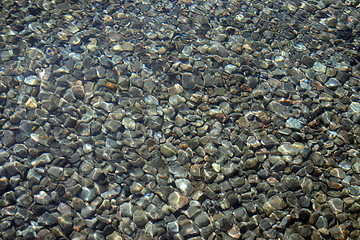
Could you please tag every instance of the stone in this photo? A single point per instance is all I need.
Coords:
(273, 204)
(168, 150)
(48, 219)
(185, 186)
(8, 138)
(42, 198)
(338, 232)
(336, 205)
(234, 232)
(177, 200)
(188, 80)
(251, 164)
(139, 218)
(66, 224)
(293, 124)
(173, 227)
(288, 149)
(88, 211)
(128, 123)
(307, 61)
(322, 222)
(218, 49)
(202, 220)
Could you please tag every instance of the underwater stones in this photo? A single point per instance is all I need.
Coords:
(123, 121)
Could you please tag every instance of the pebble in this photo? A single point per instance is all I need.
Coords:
(336, 205)
(168, 150)
(288, 149)
(273, 204)
(177, 201)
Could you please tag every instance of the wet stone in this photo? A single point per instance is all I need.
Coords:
(87, 194)
(269, 140)
(322, 222)
(25, 200)
(338, 173)
(128, 123)
(202, 220)
(8, 138)
(173, 227)
(188, 228)
(218, 49)
(307, 61)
